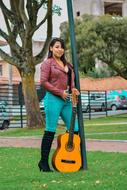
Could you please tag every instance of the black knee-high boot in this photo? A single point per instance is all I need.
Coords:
(45, 150)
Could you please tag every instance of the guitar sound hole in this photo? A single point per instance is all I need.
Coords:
(68, 161)
(69, 148)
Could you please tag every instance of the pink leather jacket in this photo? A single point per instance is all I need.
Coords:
(53, 77)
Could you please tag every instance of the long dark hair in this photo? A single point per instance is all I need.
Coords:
(52, 43)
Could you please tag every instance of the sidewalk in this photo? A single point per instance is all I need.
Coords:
(91, 145)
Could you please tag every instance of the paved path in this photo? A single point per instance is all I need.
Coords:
(91, 145)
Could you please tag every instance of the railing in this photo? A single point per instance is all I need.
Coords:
(12, 108)
(94, 103)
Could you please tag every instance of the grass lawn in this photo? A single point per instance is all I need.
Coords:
(19, 171)
(109, 119)
(17, 132)
(93, 129)
(107, 125)
(107, 136)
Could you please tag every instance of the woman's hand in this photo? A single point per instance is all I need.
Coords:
(75, 91)
(65, 95)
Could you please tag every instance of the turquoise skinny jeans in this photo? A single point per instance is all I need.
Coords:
(54, 107)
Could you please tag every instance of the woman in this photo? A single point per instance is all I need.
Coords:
(57, 78)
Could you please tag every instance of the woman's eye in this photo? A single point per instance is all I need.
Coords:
(57, 47)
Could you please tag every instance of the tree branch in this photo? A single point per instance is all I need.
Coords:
(13, 44)
(40, 5)
(4, 35)
(19, 26)
(7, 12)
(36, 28)
(27, 37)
(7, 23)
(29, 7)
(40, 56)
(32, 9)
(22, 12)
(7, 57)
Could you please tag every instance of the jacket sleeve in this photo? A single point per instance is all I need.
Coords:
(45, 76)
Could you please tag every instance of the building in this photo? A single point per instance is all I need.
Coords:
(8, 73)
(100, 7)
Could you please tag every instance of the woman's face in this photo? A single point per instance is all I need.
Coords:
(57, 50)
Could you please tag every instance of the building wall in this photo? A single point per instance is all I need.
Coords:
(96, 7)
(124, 8)
(92, 7)
(7, 75)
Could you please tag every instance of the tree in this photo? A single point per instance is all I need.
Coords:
(85, 58)
(103, 38)
(110, 42)
(21, 21)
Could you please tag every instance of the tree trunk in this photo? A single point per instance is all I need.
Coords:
(34, 116)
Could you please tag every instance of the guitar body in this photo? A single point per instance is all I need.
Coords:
(67, 159)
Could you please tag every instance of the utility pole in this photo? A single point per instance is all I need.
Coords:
(77, 83)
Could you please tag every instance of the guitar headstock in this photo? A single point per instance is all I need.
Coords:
(74, 99)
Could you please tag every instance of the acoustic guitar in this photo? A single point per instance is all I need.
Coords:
(67, 157)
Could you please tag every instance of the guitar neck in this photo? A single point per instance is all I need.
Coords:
(71, 131)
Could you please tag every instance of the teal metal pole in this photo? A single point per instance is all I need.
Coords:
(77, 83)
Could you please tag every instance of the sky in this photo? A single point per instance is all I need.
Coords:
(41, 33)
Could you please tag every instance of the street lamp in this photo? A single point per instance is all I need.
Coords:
(77, 83)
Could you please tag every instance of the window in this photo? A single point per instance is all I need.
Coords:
(78, 13)
(1, 72)
(113, 8)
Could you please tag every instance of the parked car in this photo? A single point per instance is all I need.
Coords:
(41, 104)
(98, 101)
(94, 101)
(4, 118)
(115, 102)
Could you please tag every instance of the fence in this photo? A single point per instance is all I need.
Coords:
(94, 104)
(12, 106)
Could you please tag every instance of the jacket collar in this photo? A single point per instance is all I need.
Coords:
(56, 65)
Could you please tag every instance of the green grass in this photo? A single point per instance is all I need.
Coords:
(107, 136)
(98, 125)
(19, 171)
(22, 132)
(109, 119)
(91, 127)
(105, 128)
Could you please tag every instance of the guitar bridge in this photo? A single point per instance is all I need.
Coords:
(68, 161)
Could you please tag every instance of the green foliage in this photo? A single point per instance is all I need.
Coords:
(55, 8)
(103, 38)
(102, 72)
